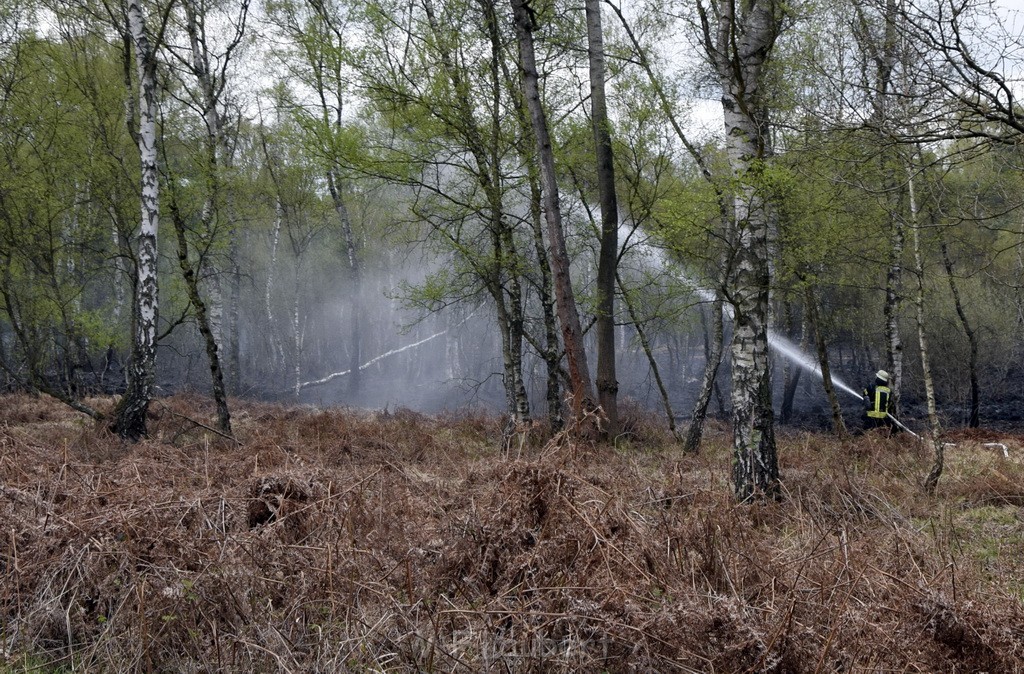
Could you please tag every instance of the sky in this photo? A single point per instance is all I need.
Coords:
(1017, 5)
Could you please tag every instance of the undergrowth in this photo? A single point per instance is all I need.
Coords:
(334, 540)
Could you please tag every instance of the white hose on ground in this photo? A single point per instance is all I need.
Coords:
(1000, 445)
(900, 424)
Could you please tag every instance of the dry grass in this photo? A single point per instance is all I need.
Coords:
(338, 540)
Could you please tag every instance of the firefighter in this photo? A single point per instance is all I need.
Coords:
(878, 403)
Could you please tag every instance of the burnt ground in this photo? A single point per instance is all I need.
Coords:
(332, 540)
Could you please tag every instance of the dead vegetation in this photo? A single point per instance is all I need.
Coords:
(332, 540)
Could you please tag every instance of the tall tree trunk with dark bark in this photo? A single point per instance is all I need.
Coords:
(202, 320)
(974, 416)
(712, 361)
(565, 299)
(607, 384)
(838, 426)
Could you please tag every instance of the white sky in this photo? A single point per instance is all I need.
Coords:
(1017, 5)
(706, 118)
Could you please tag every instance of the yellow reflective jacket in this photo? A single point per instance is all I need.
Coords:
(877, 400)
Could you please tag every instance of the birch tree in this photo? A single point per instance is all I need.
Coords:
(935, 431)
(878, 37)
(130, 413)
(550, 350)
(738, 40)
(441, 108)
(204, 77)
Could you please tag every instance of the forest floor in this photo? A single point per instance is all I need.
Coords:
(342, 540)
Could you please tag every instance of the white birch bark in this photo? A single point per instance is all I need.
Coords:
(893, 302)
(297, 329)
(1018, 297)
(212, 120)
(130, 417)
(121, 273)
(739, 39)
(929, 387)
(884, 56)
(276, 349)
(210, 72)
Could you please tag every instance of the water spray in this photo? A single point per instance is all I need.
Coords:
(794, 354)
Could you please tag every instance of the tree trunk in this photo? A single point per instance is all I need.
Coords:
(297, 327)
(355, 278)
(230, 345)
(893, 300)
(1018, 295)
(552, 348)
(276, 348)
(130, 413)
(933, 418)
(565, 299)
(501, 276)
(712, 361)
(838, 426)
(209, 215)
(973, 419)
(884, 56)
(739, 46)
(234, 373)
(646, 344)
(755, 468)
(607, 384)
(516, 330)
(506, 254)
(205, 328)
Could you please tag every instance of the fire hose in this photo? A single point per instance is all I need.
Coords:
(900, 424)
